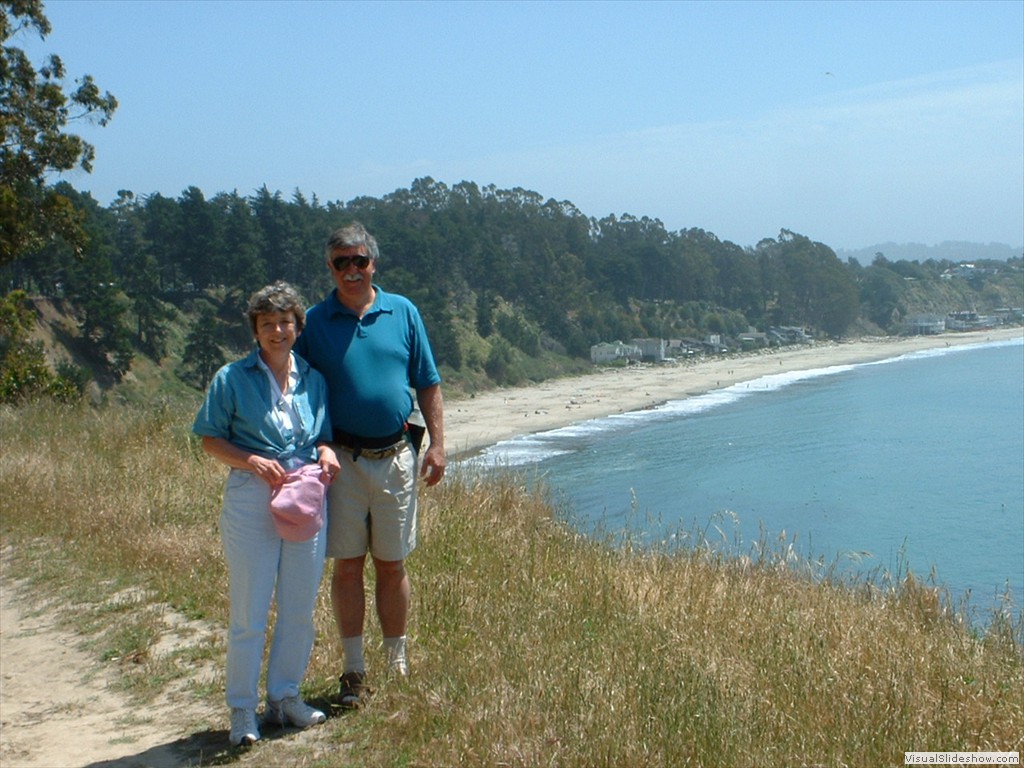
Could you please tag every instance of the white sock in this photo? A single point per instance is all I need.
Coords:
(395, 647)
(353, 650)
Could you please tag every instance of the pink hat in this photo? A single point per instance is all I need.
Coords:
(297, 504)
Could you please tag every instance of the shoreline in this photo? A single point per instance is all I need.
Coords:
(487, 418)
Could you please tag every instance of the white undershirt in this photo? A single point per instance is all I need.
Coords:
(283, 412)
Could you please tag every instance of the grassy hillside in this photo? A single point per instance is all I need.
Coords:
(530, 644)
(939, 297)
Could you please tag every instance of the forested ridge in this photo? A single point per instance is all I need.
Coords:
(512, 286)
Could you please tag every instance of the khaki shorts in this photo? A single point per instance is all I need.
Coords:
(371, 507)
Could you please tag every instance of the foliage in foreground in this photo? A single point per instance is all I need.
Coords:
(35, 115)
(531, 644)
(24, 371)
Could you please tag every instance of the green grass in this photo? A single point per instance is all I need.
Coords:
(530, 644)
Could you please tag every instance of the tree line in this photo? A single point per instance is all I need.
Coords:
(498, 274)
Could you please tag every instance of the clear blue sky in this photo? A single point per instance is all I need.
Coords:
(854, 123)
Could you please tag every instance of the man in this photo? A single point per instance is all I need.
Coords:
(372, 349)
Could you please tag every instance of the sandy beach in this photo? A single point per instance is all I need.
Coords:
(490, 417)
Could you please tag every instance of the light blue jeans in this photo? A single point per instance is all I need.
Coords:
(258, 561)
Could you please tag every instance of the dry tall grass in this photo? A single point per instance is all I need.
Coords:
(530, 644)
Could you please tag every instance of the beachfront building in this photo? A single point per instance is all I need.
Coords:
(968, 320)
(1009, 315)
(753, 339)
(788, 334)
(924, 325)
(652, 350)
(609, 352)
(713, 343)
(685, 348)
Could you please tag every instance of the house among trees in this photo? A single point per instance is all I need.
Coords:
(788, 334)
(1008, 315)
(685, 347)
(608, 352)
(651, 350)
(753, 338)
(713, 343)
(925, 325)
(968, 320)
(960, 270)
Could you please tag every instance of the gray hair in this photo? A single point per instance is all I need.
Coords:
(352, 236)
(278, 297)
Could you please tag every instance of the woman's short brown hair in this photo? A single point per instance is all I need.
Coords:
(277, 297)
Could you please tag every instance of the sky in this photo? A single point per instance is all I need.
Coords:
(853, 123)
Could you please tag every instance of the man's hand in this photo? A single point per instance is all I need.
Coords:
(433, 465)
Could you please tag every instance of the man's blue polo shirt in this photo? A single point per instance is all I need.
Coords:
(370, 362)
(239, 407)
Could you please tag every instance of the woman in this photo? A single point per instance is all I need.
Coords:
(265, 416)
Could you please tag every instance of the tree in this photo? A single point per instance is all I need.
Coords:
(140, 276)
(93, 286)
(484, 314)
(500, 362)
(881, 294)
(162, 230)
(24, 373)
(34, 112)
(23, 368)
(808, 283)
(200, 245)
(203, 356)
(102, 309)
(244, 266)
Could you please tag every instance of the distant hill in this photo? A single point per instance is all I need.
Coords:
(950, 251)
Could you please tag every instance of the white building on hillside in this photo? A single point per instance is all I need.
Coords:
(651, 349)
(606, 352)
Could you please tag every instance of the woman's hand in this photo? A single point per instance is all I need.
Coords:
(268, 469)
(239, 458)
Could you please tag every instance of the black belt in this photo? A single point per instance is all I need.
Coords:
(373, 447)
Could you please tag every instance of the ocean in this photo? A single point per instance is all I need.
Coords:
(912, 463)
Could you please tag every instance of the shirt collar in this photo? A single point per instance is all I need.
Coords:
(253, 360)
(381, 303)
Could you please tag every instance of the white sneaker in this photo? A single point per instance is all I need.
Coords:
(244, 731)
(293, 710)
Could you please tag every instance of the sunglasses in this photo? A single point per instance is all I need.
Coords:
(340, 263)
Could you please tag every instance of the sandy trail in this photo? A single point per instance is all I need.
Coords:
(59, 706)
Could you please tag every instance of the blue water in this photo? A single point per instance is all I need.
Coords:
(916, 463)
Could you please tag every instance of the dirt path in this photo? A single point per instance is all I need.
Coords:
(59, 709)
(60, 706)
